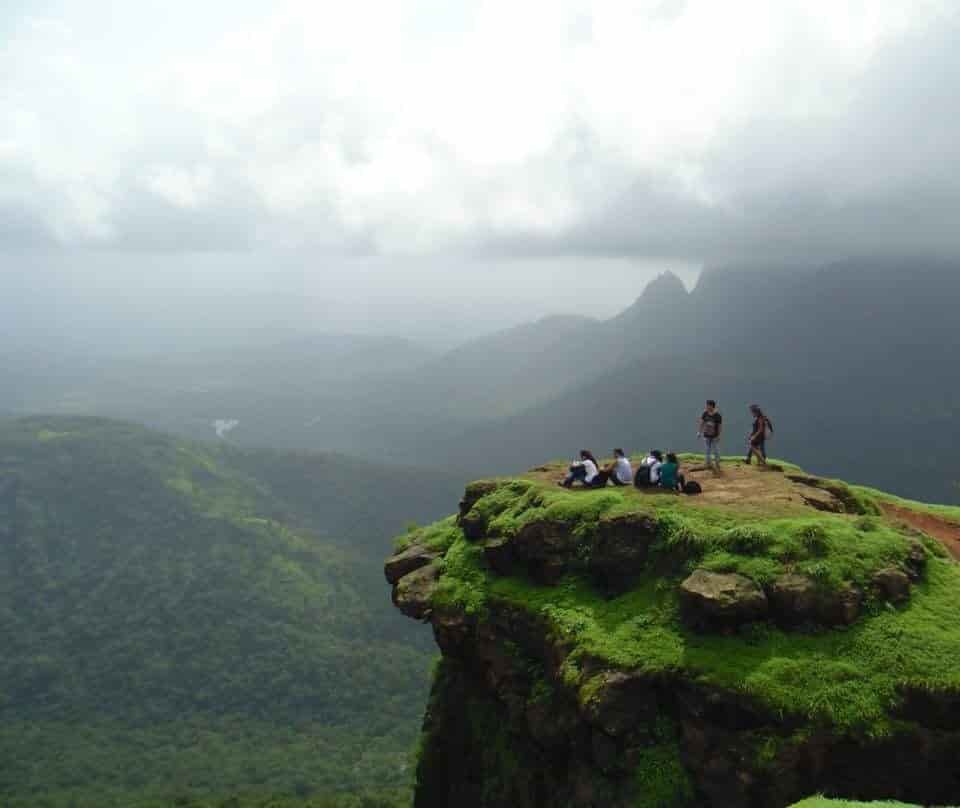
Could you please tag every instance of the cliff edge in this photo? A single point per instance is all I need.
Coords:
(778, 636)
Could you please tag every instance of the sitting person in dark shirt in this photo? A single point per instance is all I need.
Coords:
(648, 472)
(670, 476)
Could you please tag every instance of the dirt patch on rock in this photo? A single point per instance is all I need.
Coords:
(946, 532)
(746, 488)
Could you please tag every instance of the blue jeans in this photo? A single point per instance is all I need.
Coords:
(713, 448)
(580, 473)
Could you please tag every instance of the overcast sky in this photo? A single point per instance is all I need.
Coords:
(555, 154)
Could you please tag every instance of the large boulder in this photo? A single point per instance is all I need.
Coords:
(840, 607)
(406, 561)
(473, 526)
(497, 551)
(413, 592)
(621, 544)
(916, 561)
(544, 539)
(796, 599)
(714, 599)
(892, 584)
(793, 599)
(618, 702)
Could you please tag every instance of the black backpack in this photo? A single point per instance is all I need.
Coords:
(692, 487)
(642, 478)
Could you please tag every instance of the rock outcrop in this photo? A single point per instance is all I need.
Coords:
(712, 599)
(893, 584)
(596, 652)
(412, 594)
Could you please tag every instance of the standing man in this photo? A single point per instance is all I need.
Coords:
(711, 425)
(761, 429)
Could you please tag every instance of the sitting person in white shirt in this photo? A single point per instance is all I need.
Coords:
(648, 472)
(586, 470)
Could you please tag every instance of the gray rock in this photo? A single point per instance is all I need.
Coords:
(893, 584)
(406, 561)
(621, 544)
(916, 560)
(619, 702)
(413, 592)
(474, 492)
(793, 599)
(473, 525)
(498, 554)
(542, 540)
(797, 599)
(711, 598)
(840, 607)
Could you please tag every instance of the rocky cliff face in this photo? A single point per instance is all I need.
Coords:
(622, 648)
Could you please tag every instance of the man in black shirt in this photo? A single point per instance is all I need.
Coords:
(711, 425)
(762, 426)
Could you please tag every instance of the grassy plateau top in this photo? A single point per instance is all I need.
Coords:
(827, 604)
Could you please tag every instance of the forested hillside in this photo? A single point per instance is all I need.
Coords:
(191, 621)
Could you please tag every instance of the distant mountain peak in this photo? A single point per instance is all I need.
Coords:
(665, 288)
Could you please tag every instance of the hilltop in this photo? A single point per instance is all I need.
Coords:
(780, 634)
(191, 621)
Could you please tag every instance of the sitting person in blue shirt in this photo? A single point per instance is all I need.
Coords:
(619, 472)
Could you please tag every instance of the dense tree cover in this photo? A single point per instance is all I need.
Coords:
(178, 623)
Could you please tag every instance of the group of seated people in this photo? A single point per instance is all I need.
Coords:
(653, 471)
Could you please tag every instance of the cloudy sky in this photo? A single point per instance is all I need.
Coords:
(553, 152)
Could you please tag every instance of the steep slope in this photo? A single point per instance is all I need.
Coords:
(776, 636)
(178, 621)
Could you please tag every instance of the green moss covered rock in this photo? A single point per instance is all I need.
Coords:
(777, 635)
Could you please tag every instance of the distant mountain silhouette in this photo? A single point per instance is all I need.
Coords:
(855, 363)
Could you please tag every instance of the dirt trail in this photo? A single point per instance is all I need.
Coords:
(743, 487)
(948, 533)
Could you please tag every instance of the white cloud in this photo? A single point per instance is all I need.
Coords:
(179, 186)
(419, 126)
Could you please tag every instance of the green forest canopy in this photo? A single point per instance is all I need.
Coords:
(185, 621)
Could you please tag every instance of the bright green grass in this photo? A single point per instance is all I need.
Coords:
(823, 802)
(438, 536)
(834, 549)
(842, 678)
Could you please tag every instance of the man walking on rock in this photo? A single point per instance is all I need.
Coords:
(711, 425)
